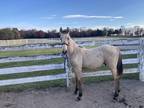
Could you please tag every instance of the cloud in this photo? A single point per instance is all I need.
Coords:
(134, 24)
(48, 17)
(91, 17)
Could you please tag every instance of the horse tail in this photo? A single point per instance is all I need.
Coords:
(119, 65)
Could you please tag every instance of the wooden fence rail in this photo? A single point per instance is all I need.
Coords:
(128, 47)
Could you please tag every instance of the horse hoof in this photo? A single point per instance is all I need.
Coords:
(78, 98)
(118, 91)
(115, 98)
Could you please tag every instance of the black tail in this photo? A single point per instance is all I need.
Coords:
(120, 65)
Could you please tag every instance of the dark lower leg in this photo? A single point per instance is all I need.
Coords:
(80, 90)
(76, 90)
(76, 87)
(116, 94)
(117, 89)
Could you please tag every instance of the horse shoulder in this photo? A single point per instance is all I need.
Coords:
(76, 58)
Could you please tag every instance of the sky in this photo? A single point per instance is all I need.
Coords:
(52, 14)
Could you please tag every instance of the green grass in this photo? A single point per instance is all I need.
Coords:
(134, 76)
(29, 63)
(33, 86)
(103, 67)
(29, 52)
(129, 56)
(31, 74)
(43, 51)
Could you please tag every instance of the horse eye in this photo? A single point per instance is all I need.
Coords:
(67, 38)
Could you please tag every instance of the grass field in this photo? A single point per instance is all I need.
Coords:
(29, 52)
(41, 85)
(29, 63)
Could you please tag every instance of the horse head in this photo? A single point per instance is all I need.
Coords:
(65, 39)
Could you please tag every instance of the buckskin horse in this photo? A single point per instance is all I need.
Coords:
(92, 58)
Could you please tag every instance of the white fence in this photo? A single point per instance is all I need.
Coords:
(128, 47)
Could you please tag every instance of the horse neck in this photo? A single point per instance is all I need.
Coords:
(72, 47)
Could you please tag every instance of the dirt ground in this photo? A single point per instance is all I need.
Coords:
(96, 95)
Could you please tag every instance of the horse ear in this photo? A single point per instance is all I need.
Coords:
(60, 30)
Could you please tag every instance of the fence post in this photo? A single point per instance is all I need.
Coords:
(141, 59)
(67, 69)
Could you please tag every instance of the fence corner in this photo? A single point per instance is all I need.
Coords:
(141, 59)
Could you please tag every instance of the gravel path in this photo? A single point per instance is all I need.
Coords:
(96, 95)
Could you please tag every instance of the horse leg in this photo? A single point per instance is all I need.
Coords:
(80, 89)
(116, 83)
(117, 88)
(78, 76)
(76, 86)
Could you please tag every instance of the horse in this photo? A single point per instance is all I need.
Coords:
(91, 58)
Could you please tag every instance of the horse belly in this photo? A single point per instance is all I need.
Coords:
(92, 62)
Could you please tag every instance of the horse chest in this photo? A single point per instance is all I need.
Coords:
(76, 60)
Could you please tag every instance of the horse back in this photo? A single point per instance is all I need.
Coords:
(105, 54)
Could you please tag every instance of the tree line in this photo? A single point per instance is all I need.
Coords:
(14, 33)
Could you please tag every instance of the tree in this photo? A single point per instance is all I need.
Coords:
(16, 33)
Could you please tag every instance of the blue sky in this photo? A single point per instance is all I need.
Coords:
(52, 14)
